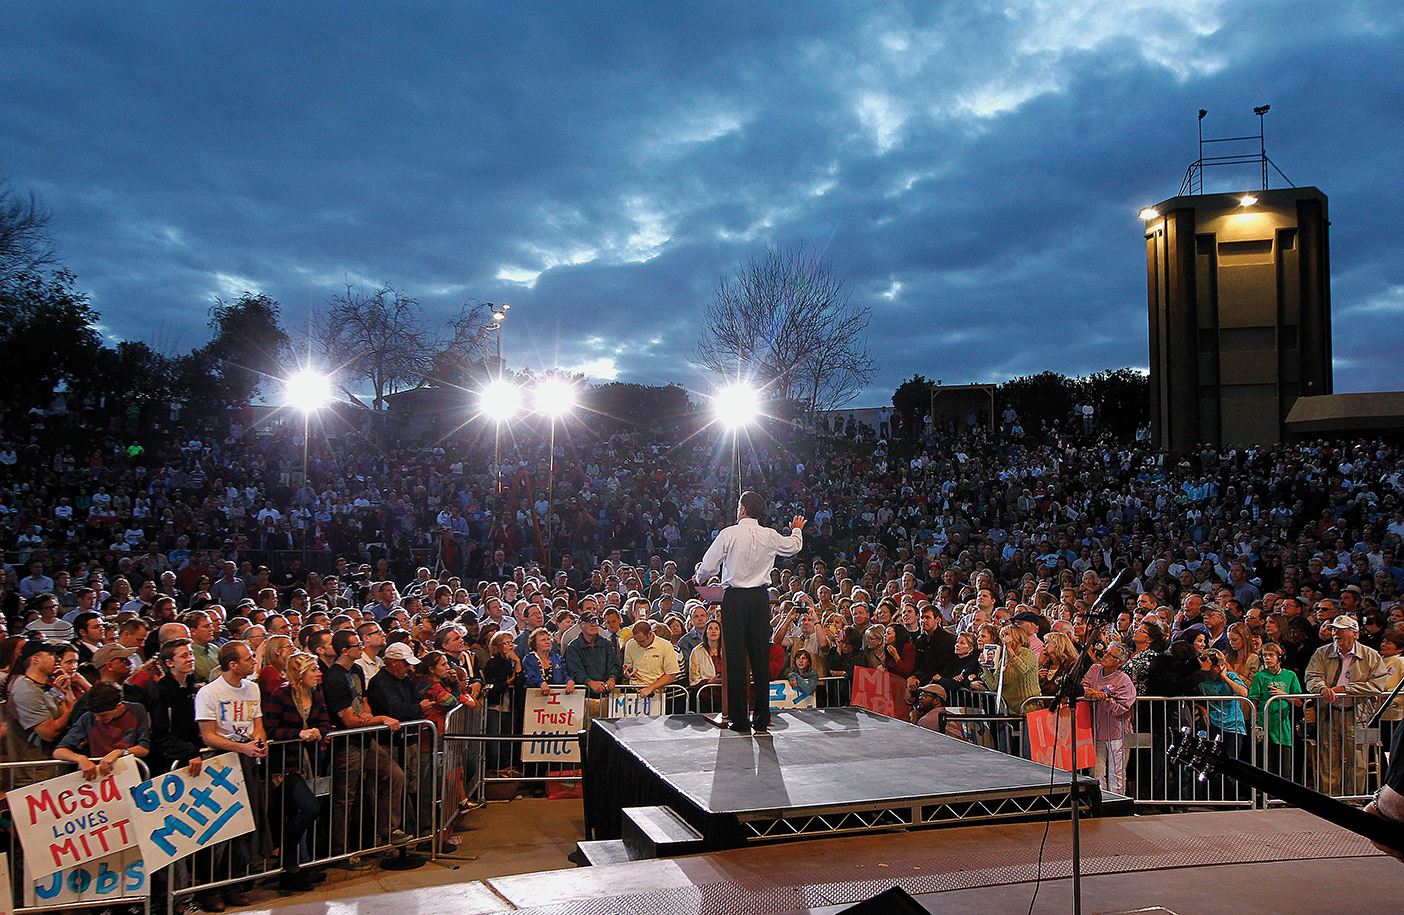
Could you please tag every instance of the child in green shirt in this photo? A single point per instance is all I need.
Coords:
(1271, 681)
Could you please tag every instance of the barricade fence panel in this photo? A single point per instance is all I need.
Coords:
(356, 792)
(1158, 720)
(994, 727)
(461, 761)
(1323, 745)
(503, 751)
(510, 754)
(1158, 725)
(833, 692)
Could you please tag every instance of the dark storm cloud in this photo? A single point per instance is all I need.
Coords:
(972, 171)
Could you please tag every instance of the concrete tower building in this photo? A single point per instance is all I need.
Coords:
(1240, 314)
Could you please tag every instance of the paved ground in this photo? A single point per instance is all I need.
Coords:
(516, 837)
(1256, 861)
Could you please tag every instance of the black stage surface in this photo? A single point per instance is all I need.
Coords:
(819, 772)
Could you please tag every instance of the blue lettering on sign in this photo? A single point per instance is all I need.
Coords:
(79, 880)
(173, 824)
(105, 883)
(200, 797)
(220, 821)
(777, 691)
(220, 776)
(50, 886)
(172, 788)
(106, 879)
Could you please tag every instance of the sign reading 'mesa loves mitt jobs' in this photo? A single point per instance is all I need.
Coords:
(70, 821)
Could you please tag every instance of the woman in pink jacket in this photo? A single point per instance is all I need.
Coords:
(1112, 695)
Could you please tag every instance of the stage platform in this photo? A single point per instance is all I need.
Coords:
(818, 773)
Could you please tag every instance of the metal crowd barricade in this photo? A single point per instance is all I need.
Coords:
(499, 740)
(984, 720)
(376, 790)
(675, 697)
(1151, 779)
(460, 763)
(1312, 742)
(707, 699)
(20, 773)
(833, 692)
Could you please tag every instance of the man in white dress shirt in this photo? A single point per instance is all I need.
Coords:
(744, 554)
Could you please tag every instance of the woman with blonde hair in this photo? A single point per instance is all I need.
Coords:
(1059, 656)
(1240, 657)
(296, 719)
(272, 659)
(1020, 674)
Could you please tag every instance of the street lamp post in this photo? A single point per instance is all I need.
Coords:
(499, 314)
(736, 406)
(500, 400)
(307, 391)
(554, 397)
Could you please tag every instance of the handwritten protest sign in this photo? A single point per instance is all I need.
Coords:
(1042, 726)
(632, 705)
(555, 714)
(116, 878)
(783, 696)
(67, 821)
(880, 691)
(176, 813)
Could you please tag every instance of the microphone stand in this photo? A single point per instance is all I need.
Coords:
(1379, 713)
(1070, 691)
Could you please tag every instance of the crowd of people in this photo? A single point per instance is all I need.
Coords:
(177, 598)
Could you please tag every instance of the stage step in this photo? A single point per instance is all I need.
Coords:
(657, 832)
(603, 851)
(1116, 805)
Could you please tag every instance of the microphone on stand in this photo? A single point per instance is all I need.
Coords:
(1119, 583)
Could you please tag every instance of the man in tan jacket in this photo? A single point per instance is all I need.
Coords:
(1343, 674)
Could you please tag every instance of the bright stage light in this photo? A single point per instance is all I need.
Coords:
(501, 400)
(554, 397)
(736, 405)
(307, 391)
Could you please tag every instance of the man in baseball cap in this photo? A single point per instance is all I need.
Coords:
(1340, 672)
(391, 692)
(931, 703)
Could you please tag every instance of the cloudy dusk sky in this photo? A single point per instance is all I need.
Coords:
(973, 170)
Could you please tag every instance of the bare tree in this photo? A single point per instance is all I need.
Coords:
(460, 355)
(377, 337)
(25, 244)
(783, 320)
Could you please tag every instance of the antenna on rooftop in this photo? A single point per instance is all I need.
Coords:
(1194, 175)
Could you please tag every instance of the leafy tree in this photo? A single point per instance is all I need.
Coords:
(46, 335)
(1045, 398)
(249, 346)
(783, 321)
(637, 404)
(913, 399)
(132, 370)
(1122, 399)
